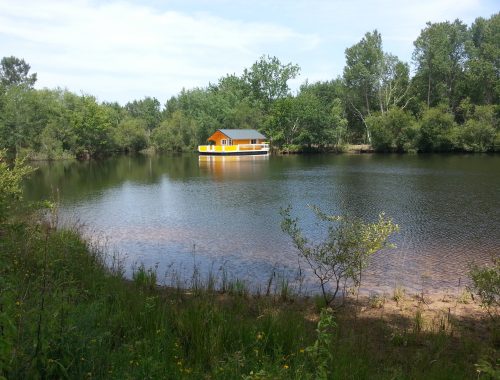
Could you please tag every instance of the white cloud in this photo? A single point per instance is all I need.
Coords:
(87, 46)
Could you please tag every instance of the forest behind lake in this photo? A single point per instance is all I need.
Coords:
(445, 100)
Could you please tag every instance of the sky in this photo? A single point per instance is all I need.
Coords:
(123, 50)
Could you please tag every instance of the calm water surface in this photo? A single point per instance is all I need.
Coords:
(174, 212)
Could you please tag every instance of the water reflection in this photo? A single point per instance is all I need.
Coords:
(233, 167)
(184, 208)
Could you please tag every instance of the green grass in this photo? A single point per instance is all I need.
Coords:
(65, 314)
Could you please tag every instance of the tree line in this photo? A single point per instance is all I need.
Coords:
(450, 102)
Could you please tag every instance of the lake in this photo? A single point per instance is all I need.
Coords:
(179, 212)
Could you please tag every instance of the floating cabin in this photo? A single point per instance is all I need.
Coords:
(235, 142)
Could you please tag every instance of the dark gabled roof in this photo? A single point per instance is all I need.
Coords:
(241, 134)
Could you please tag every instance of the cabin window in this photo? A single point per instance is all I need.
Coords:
(253, 141)
(223, 142)
(230, 142)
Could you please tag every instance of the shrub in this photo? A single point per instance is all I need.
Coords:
(486, 285)
(10, 185)
(438, 131)
(344, 253)
(392, 131)
(382, 136)
(478, 132)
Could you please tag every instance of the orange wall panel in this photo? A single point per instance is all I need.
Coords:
(218, 136)
(247, 141)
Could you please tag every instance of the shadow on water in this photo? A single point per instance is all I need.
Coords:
(79, 179)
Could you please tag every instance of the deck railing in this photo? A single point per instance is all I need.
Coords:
(233, 148)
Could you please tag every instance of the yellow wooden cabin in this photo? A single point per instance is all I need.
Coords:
(235, 142)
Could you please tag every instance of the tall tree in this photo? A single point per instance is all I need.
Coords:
(329, 122)
(336, 131)
(18, 116)
(439, 57)
(147, 109)
(177, 133)
(362, 72)
(393, 84)
(282, 125)
(233, 87)
(483, 66)
(15, 72)
(116, 112)
(91, 126)
(312, 119)
(327, 91)
(373, 80)
(25, 114)
(268, 79)
(239, 109)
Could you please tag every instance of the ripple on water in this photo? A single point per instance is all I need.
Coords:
(176, 211)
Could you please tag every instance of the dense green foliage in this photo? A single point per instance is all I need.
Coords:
(451, 103)
(10, 188)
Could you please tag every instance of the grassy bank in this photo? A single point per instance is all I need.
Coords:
(64, 314)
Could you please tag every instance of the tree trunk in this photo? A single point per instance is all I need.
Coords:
(429, 91)
(381, 101)
(367, 103)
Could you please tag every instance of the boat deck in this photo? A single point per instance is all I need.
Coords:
(234, 150)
